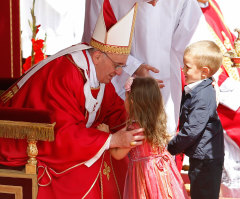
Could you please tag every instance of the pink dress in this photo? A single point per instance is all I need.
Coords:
(152, 173)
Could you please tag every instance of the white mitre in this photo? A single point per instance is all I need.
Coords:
(113, 36)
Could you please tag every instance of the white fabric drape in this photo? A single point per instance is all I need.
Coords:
(230, 10)
(230, 186)
(61, 20)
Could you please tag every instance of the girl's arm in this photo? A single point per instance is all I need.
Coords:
(119, 153)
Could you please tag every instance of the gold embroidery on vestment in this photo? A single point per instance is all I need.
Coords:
(106, 170)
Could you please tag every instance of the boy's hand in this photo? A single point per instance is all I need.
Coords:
(103, 127)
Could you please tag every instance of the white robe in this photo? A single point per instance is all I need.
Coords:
(60, 20)
(160, 37)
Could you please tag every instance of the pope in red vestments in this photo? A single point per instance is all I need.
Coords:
(74, 87)
(58, 88)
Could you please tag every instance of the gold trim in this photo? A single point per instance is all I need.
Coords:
(59, 173)
(11, 37)
(133, 25)
(16, 190)
(101, 185)
(115, 177)
(23, 130)
(217, 39)
(106, 170)
(220, 15)
(187, 187)
(20, 174)
(80, 70)
(97, 88)
(20, 41)
(84, 78)
(98, 113)
(117, 49)
(14, 89)
(16, 174)
(232, 72)
(109, 48)
(99, 173)
(9, 94)
(91, 187)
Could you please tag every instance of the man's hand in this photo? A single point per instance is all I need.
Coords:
(103, 127)
(143, 71)
(126, 139)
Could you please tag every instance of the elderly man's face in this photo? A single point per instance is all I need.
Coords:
(108, 65)
(154, 2)
(203, 1)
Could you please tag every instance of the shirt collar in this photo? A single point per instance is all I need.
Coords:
(94, 83)
(188, 88)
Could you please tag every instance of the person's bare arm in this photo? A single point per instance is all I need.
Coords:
(119, 153)
(128, 140)
(121, 138)
(103, 127)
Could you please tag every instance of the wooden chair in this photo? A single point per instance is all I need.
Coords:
(32, 125)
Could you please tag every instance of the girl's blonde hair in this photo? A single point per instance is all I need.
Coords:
(146, 107)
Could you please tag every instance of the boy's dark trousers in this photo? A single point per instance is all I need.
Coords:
(205, 178)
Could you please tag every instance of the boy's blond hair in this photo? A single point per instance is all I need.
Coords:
(205, 54)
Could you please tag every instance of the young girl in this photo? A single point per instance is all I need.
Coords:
(152, 172)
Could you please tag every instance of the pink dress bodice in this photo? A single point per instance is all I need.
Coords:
(152, 174)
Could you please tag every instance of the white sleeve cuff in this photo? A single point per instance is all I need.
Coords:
(119, 80)
(99, 153)
(132, 65)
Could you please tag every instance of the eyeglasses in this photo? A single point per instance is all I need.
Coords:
(116, 65)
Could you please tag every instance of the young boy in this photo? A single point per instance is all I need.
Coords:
(200, 132)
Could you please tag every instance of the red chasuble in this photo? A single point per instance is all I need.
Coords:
(58, 88)
(230, 120)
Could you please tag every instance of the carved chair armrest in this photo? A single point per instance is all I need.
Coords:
(29, 124)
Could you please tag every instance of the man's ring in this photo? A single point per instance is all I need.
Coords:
(133, 143)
